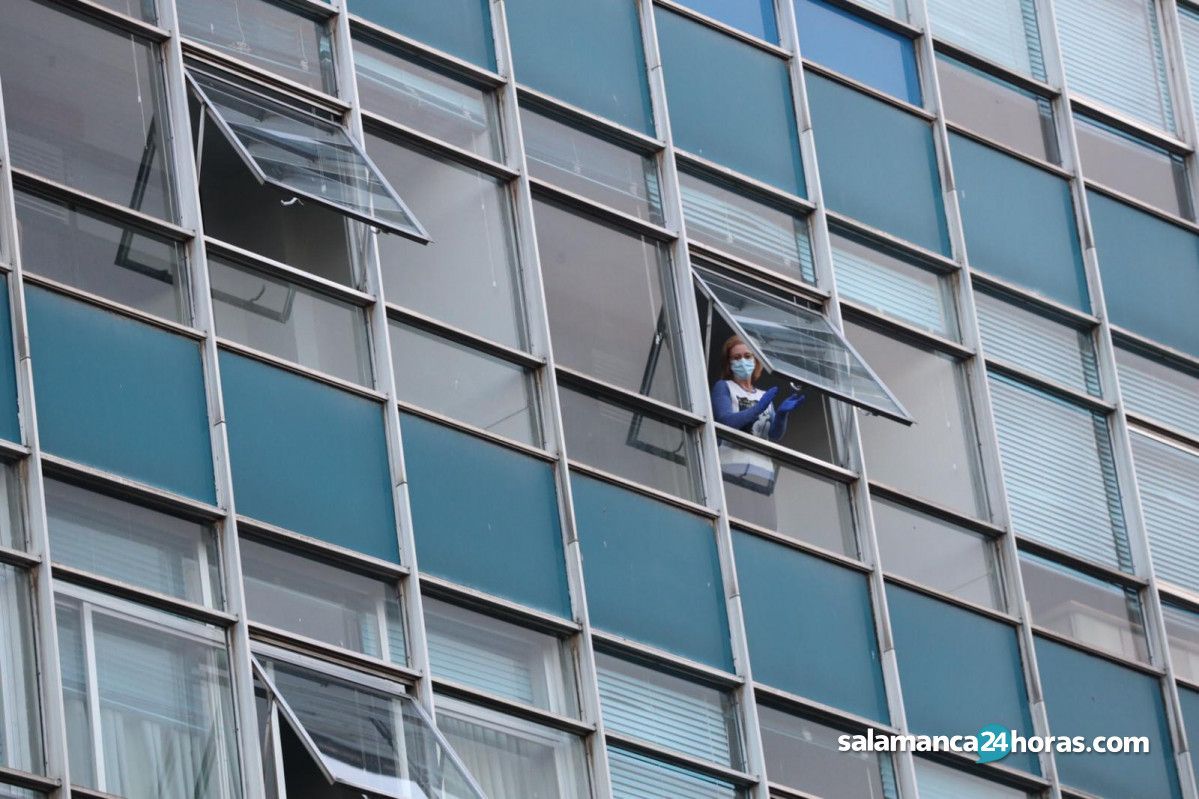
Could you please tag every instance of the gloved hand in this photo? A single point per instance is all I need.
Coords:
(766, 399)
(792, 402)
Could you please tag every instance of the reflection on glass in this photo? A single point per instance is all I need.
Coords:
(500, 658)
(467, 276)
(937, 553)
(889, 283)
(737, 224)
(609, 301)
(803, 755)
(165, 724)
(596, 168)
(942, 782)
(318, 600)
(512, 758)
(630, 444)
(1182, 629)
(20, 715)
(289, 321)
(1091, 611)
(998, 110)
(635, 776)
(268, 34)
(138, 9)
(771, 493)
(479, 389)
(1127, 164)
(91, 115)
(668, 711)
(304, 153)
(12, 503)
(415, 93)
(133, 544)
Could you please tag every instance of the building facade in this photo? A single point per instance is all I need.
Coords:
(358, 436)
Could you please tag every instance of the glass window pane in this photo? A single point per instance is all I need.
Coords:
(12, 504)
(1182, 629)
(512, 758)
(1168, 478)
(997, 109)
(65, 242)
(133, 544)
(755, 17)
(1112, 52)
(771, 493)
(459, 27)
(305, 154)
(1188, 23)
(942, 782)
(800, 343)
(1157, 389)
(653, 573)
(10, 424)
(635, 776)
(804, 755)
(284, 319)
(417, 93)
(466, 384)
(610, 301)
(138, 9)
(706, 69)
(316, 599)
(1138, 169)
(165, 721)
(862, 50)
(485, 516)
(276, 37)
(937, 553)
(1059, 473)
(892, 284)
(668, 711)
(467, 276)
(20, 711)
(810, 626)
(1055, 351)
(1046, 256)
(596, 168)
(586, 52)
(1003, 31)
(1091, 611)
(931, 385)
(633, 445)
(733, 222)
(1150, 272)
(500, 658)
(91, 115)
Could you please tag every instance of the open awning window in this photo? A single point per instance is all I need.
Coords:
(360, 738)
(304, 154)
(799, 343)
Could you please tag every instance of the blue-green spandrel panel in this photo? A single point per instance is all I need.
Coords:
(730, 102)
(1019, 222)
(308, 457)
(1189, 699)
(877, 163)
(652, 572)
(844, 41)
(1090, 696)
(459, 27)
(960, 671)
(120, 395)
(1150, 271)
(810, 627)
(10, 425)
(485, 516)
(586, 52)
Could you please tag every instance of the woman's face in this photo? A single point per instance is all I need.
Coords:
(739, 352)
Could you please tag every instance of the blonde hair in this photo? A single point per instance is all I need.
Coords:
(727, 368)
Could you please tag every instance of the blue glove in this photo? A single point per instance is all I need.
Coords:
(766, 399)
(792, 402)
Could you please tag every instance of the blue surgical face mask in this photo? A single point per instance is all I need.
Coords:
(743, 368)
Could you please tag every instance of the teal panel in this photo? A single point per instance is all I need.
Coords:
(810, 626)
(652, 572)
(1019, 222)
(485, 516)
(10, 423)
(586, 52)
(1150, 272)
(730, 102)
(1189, 700)
(1090, 696)
(308, 457)
(120, 395)
(867, 52)
(459, 27)
(877, 163)
(960, 671)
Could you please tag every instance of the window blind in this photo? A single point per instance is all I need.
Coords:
(1168, 479)
(1003, 31)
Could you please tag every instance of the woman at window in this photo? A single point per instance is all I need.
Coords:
(739, 403)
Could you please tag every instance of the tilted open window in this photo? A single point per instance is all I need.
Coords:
(360, 740)
(304, 154)
(800, 344)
